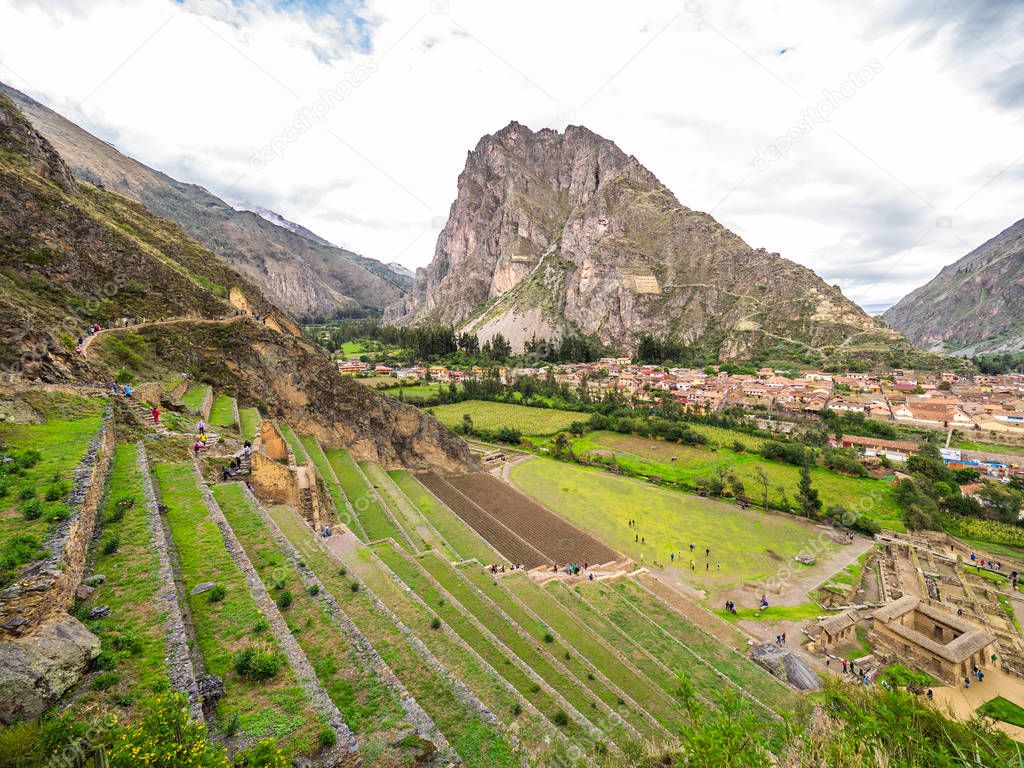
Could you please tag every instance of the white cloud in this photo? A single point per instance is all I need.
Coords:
(369, 111)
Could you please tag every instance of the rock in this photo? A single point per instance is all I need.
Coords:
(202, 587)
(38, 669)
(785, 665)
(577, 237)
(95, 580)
(211, 688)
(84, 591)
(99, 612)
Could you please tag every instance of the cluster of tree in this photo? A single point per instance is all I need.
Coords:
(502, 435)
(1007, 362)
(857, 424)
(788, 451)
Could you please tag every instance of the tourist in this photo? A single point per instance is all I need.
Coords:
(224, 474)
(718, 566)
(844, 666)
(155, 412)
(197, 448)
(783, 638)
(128, 390)
(247, 449)
(930, 694)
(707, 551)
(672, 557)
(691, 547)
(967, 682)
(201, 427)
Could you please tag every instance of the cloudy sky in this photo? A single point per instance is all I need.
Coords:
(874, 141)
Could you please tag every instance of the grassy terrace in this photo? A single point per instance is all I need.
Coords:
(131, 663)
(478, 743)
(494, 416)
(408, 516)
(684, 648)
(250, 422)
(469, 604)
(371, 709)
(293, 442)
(568, 652)
(194, 396)
(222, 413)
(372, 516)
(749, 543)
(32, 489)
(463, 539)
(589, 643)
(276, 708)
(874, 498)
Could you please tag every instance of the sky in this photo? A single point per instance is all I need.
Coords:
(873, 141)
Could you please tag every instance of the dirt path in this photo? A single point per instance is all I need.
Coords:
(172, 321)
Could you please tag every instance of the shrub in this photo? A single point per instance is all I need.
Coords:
(258, 664)
(517, 709)
(28, 492)
(58, 512)
(354, 586)
(328, 738)
(561, 719)
(279, 584)
(106, 680)
(284, 600)
(28, 458)
(313, 589)
(5, 487)
(31, 509)
(127, 641)
(343, 571)
(57, 491)
(111, 545)
(548, 637)
(261, 625)
(217, 593)
(232, 725)
(105, 661)
(435, 623)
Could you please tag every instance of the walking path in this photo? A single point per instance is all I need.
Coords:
(962, 703)
(87, 342)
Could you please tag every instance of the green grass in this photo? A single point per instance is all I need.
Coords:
(413, 523)
(464, 540)
(132, 636)
(969, 445)
(222, 414)
(413, 392)
(494, 416)
(372, 516)
(456, 617)
(371, 708)
(479, 744)
(194, 396)
(802, 612)
(62, 444)
(277, 708)
(873, 498)
(1004, 710)
(250, 422)
(298, 451)
(748, 543)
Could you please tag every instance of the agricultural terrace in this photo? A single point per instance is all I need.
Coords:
(250, 422)
(494, 416)
(688, 464)
(39, 476)
(413, 392)
(749, 544)
(222, 413)
(194, 396)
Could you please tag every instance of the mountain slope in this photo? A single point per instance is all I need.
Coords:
(554, 234)
(72, 254)
(975, 305)
(305, 277)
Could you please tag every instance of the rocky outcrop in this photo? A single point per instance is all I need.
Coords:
(786, 665)
(974, 305)
(37, 670)
(304, 275)
(563, 233)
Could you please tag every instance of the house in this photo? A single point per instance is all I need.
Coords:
(895, 450)
(838, 629)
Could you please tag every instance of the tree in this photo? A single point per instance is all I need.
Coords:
(737, 487)
(1000, 504)
(762, 481)
(467, 424)
(807, 494)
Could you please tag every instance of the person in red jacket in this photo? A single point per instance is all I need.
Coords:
(156, 414)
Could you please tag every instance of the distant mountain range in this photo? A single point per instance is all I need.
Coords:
(974, 306)
(554, 234)
(301, 272)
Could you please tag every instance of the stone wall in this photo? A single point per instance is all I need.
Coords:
(271, 442)
(47, 587)
(272, 482)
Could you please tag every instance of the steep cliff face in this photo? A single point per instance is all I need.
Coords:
(973, 306)
(563, 233)
(305, 276)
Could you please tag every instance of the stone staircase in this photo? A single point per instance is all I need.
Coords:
(144, 415)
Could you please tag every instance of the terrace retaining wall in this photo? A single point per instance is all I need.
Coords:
(47, 587)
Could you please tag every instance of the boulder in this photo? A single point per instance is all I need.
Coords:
(84, 591)
(785, 665)
(38, 669)
(204, 586)
(99, 612)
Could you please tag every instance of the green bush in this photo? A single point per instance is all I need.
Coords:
(231, 727)
(105, 680)
(58, 512)
(435, 623)
(111, 545)
(258, 664)
(284, 600)
(28, 492)
(57, 491)
(31, 509)
(328, 738)
(354, 586)
(548, 637)
(261, 625)
(313, 589)
(217, 593)
(128, 642)
(561, 719)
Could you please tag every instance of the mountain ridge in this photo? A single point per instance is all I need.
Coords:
(305, 276)
(554, 234)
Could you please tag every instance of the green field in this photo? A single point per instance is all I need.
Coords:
(222, 413)
(194, 396)
(749, 544)
(688, 464)
(250, 422)
(413, 392)
(968, 445)
(1003, 709)
(494, 416)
